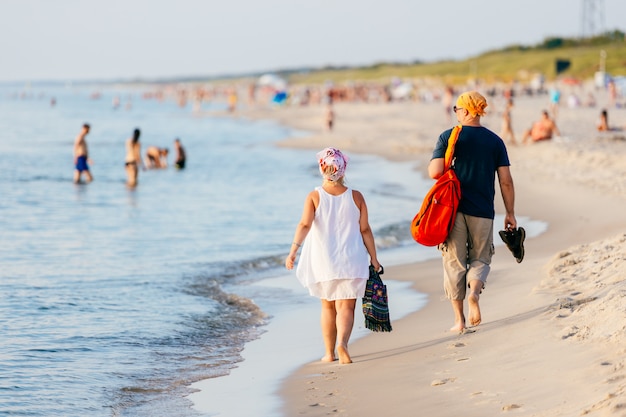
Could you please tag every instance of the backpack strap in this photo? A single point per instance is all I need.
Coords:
(454, 136)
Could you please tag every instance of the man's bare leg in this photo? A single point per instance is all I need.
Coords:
(472, 299)
(459, 317)
(329, 329)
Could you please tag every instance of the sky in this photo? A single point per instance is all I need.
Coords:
(156, 39)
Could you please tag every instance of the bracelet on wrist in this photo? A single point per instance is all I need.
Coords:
(297, 244)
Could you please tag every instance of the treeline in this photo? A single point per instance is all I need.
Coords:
(557, 42)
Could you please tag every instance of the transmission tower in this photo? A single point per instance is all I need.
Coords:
(593, 18)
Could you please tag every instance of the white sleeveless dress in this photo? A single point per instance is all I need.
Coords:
(334, 263)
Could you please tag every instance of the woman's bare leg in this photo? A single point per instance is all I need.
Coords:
(132, 171)
(345, 322)
(329, 329)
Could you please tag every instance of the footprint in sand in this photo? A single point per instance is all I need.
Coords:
(511, 407)
(444, 381)
(329, 375)
(456, 345)
(615, 379)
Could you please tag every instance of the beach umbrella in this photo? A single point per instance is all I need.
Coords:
(273, 81)
(402, 91)
(280, 97)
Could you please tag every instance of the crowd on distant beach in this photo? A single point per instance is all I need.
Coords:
(244, 95)
(249, 94)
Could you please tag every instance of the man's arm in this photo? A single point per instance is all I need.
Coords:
(78, 148)
(435, 168)
(508, 196)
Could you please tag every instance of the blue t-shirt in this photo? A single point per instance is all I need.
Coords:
(478, 152)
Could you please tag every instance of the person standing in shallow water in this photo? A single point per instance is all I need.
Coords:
(133, 158)
(479, 155)
(181, 157)
(337, 249)
(81, 156)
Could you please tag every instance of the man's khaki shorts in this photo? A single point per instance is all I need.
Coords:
(466, 254)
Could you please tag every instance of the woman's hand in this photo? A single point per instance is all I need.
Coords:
(290, 260)
(375, 264)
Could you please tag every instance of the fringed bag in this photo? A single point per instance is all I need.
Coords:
(375, 303)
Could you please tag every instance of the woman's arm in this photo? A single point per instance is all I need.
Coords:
(366, 230)
(303, 227)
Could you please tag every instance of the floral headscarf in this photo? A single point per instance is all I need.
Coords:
(332, 157)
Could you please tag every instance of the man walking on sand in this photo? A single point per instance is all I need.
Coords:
(479, 154)
(81, 156)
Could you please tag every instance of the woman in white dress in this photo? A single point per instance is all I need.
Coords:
(337, 251)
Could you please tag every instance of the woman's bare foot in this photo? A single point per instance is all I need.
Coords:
(344, 356)
(328, 358)
(474, 309)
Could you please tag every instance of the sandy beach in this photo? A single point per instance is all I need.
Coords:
(553, 337)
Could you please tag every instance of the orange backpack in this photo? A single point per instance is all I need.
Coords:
(432, 224)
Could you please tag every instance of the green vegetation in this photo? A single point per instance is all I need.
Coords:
(514, 62)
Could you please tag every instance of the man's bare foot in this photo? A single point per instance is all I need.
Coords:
(344, 356)
(474, 309)
(458, 327)
(328, 358)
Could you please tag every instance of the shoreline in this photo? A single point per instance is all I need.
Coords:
(290, 338)
(531, 355)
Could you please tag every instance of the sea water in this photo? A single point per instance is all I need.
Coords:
(113, 301)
